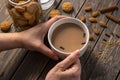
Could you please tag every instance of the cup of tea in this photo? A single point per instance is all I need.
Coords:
(67, 35)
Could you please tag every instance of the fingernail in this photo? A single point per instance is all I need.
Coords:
(55, 58)
(77, 53)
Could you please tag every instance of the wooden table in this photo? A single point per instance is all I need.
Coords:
(98, 63)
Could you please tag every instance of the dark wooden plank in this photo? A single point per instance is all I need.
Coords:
(89, 66)
(31, 67)
(33, 63)
(118, 77)
(9, 59)
(48, 67)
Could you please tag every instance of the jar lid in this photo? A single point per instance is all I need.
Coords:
(14, 4)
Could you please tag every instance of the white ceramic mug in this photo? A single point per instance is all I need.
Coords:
(62, 54)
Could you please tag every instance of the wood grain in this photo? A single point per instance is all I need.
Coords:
(92, 56)
(118, 77)
(48, 67)
(9, 61)
(31, 67)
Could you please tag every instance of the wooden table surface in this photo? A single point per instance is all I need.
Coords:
(100, 62)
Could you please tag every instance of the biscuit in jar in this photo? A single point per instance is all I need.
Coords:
(32, 7)
(20, 8)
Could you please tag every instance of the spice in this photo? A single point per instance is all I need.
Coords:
(96, 31)
(107, 35)
(84, 34)
(83, 43)
(103, 24)
(108, 9)
(117, 36)
(113, 18)
(95, 14)
(88, 8)
(62, 48)
(83, 19)
(93, 20)
(105, 40)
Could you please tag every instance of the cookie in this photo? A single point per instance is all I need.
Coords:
(27, 15)
(32, 7)
(5, 26)
(21, 22)
(67, 6)
(54, 12)
(20, 8)
(31, 21)
(15, 14)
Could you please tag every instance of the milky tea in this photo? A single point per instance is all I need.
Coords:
(68, 37)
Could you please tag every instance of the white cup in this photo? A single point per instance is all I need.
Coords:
(62, 54)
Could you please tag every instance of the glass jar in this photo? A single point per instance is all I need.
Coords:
(25, 13)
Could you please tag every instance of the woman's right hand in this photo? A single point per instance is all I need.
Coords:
(68, 69)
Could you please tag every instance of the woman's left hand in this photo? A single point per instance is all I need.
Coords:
(33, 39)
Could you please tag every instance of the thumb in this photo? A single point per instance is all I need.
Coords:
(66, 63)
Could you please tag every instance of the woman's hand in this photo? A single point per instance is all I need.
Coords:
(68, 69)
(33, 39)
